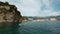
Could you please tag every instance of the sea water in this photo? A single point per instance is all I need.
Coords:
(34, 27)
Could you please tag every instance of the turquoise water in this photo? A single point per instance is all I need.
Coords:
(31, 27)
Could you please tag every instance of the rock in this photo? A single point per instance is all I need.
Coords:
(9, 15)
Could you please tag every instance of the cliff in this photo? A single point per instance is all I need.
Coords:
(9, 15)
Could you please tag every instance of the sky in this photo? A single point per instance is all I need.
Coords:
(39, 8)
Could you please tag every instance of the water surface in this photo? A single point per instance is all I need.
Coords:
(33, 27)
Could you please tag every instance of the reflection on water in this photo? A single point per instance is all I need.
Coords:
(9, 30)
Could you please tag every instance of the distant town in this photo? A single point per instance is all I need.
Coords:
(50, 18)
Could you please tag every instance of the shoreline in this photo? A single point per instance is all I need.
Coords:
(39, 20)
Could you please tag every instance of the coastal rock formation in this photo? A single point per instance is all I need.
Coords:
(9, 15)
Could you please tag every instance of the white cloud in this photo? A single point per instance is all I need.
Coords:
(49, 13)
(33, 7)
(48, 10)
(30, 7)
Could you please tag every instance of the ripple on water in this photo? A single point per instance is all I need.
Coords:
(46, 27)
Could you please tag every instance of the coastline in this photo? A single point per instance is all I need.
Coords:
(40, 20)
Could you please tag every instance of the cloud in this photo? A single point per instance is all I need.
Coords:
(50, 8)
(49, 13)
(56, 5)
(37, 7)
(30, 7)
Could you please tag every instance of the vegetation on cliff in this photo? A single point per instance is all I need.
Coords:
(9, 14)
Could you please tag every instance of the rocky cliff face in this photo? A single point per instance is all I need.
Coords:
(9, 14)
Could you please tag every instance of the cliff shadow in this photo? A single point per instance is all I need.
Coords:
(10, 30)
